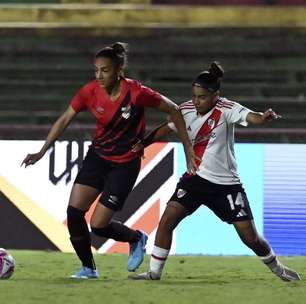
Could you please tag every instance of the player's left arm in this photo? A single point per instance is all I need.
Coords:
(258, 118)
(153, 136)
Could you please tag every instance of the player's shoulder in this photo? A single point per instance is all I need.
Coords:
(133, 83)
(138, 89)
(187, 107)
(135, 87)
(225, 104)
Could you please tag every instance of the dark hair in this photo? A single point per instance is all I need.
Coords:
(211, 79)
(117, 52)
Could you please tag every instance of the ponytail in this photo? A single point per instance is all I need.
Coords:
(211, 79)
(117, 52)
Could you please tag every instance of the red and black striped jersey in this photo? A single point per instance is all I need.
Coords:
(120, 123)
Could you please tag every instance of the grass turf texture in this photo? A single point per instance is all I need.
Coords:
(42, 277)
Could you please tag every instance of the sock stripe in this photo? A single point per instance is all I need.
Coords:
(270, 261)
(269, 258)
(158, 258)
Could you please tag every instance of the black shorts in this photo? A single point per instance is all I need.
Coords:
(116, 180)
(228, 202)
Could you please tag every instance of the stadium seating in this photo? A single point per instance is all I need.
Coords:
(41, 69)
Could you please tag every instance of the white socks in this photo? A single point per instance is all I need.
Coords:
(272, 262)
(158, 260)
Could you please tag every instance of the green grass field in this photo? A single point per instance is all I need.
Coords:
(42, 277)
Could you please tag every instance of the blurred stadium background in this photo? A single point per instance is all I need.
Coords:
(46, 54)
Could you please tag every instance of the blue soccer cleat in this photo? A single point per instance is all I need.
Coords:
(86, 273)
(137, 252)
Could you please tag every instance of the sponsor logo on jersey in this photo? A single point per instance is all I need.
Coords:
(241, 213)
(180, 193)
(126, 112)
(201, 139)
(113, 199)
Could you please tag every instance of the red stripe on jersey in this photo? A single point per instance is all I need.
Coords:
(229, 103)
(187, 107)
(203, 136)
(186, 104)
(140, 127)
(225, 100)
(223, 106)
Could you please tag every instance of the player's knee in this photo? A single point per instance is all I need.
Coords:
(167, 222)
(74, 214)
(76, 222)
(251, 240)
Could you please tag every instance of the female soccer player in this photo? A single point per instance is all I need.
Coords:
(210, 121)
(117, 104)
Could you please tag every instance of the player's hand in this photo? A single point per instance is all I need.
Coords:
(138, 147)
(270, 115)
(191, 160)
(31, 159)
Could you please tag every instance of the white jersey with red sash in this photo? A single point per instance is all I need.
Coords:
(212, 136)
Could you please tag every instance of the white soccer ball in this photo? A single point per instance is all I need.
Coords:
(7, 264)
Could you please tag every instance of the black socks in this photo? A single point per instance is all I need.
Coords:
(79, 236)
(117, 231)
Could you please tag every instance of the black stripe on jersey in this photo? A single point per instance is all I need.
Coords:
(125, 134)
(116, 117)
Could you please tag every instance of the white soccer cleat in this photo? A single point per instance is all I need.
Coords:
(149, 276)
(288, 275)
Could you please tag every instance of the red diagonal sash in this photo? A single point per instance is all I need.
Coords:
(203, 136)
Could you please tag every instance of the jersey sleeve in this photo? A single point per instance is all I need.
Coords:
(78, 102)
(237, 114)
(148, 97)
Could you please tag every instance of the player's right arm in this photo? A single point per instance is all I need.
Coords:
(153, 136)
(56, 130)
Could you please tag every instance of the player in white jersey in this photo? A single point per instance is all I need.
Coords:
(210, 122)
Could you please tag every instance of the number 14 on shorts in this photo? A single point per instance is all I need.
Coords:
(239, 201)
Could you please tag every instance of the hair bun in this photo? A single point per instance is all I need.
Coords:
(216, 70)
(120, 48)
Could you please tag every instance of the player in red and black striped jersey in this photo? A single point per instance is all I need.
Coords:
(111, 167)
(210, 121)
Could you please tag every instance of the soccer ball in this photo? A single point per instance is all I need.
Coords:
(7, 264)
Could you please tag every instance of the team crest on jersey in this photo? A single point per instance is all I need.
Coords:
(100, 110)
(180, 193)
(126, 112)
(211, 123)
